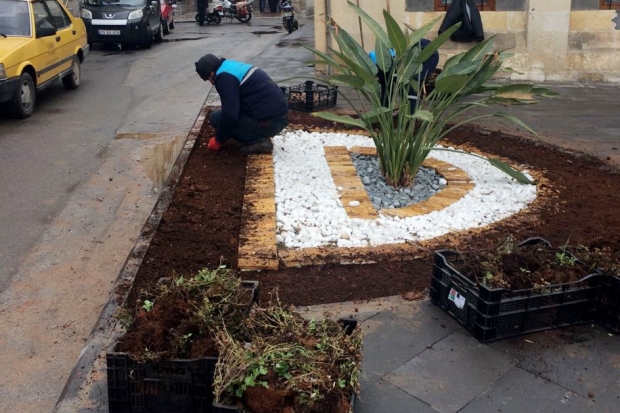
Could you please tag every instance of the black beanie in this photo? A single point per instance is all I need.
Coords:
(207, 64)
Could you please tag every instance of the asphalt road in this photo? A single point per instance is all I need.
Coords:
(79, 179)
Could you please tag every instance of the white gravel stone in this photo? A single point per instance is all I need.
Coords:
(310, 213)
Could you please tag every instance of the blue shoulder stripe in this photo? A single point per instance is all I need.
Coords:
(237, 69)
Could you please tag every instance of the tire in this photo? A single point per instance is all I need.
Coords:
(22, 103)
(147, 40)
(159, 36)
(247, 17)
(73, 79)
(165, 27)
(214, 19)
(288, 25)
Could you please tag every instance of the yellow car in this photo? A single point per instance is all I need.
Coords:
(40, 42)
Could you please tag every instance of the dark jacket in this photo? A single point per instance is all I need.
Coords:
(471, 24)
(245, 89)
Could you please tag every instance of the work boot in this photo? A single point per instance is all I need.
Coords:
(263, 147)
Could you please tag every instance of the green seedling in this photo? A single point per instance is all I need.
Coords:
(565, 259)
(148, 305)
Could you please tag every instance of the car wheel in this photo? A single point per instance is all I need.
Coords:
(164, 24)
(159, 36)
(148, 38)
(72, 80)
(21, 104)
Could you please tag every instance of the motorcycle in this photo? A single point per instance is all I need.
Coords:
(241, 11)
(288, 16)
(214, 15)
(167, 14)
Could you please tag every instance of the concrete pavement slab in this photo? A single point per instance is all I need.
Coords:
(607, 402)
(519, 391)
(383, 396)
(393, 337)
(587, 368)
(452, 372)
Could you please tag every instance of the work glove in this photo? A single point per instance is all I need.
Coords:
(214, 145)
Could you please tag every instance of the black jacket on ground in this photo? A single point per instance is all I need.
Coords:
(471, 23)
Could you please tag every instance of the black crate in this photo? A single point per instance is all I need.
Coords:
(177, 386)
(310, 96)
(609, 309)
(491, 314)
(167, 386)
(348, 324)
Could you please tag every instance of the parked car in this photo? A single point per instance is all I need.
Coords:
(128, 22)
(40, 42)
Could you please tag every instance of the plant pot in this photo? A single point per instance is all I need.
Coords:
(491, 314)
(165, 386)
(609, 309)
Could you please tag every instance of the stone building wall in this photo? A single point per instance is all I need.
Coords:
(550, 39)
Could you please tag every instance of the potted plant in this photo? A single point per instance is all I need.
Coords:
(404, 137)
(165, 360)
(515, 288)
(286, 363)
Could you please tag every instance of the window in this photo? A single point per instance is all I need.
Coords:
(60, 17)
(610, 4)
(482, 5)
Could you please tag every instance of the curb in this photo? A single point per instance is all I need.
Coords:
(104, 330)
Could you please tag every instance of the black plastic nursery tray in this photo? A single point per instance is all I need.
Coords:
(167, 386)
(491, 314)
(609, 310)
(349, 324)
(310, 96)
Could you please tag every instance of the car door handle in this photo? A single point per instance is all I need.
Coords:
(74, 32)
(57, 38)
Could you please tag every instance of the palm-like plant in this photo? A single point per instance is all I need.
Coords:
(404, 140)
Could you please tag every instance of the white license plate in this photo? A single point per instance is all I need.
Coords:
(110, 32)
(288, 14)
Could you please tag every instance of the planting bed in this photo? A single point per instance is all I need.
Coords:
(577, 201)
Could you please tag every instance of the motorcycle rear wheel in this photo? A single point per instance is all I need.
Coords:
(247, 17)
(214, 19)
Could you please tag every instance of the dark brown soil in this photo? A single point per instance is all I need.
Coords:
(533, 264)
(578, 201)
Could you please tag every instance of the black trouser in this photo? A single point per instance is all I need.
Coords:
(202, 5)
(249, 131)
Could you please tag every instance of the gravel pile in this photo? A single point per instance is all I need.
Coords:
(426, 184)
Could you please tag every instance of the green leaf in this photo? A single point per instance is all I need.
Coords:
(451, 84)
(518, 91)
(480, 50)
(437, 42)
(395, 33)
(410, 66)
(344, 119)
(352, 49)
(541, 91)
(325, 57)
(383, 56)
(354, 67)
(373, 116)
(504, 167)
(348, 80)
(516, 121)
(461, 68)
(452, 61)
(423, 115)
(418, 34)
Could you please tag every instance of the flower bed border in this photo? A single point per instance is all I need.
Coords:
(491, 314)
